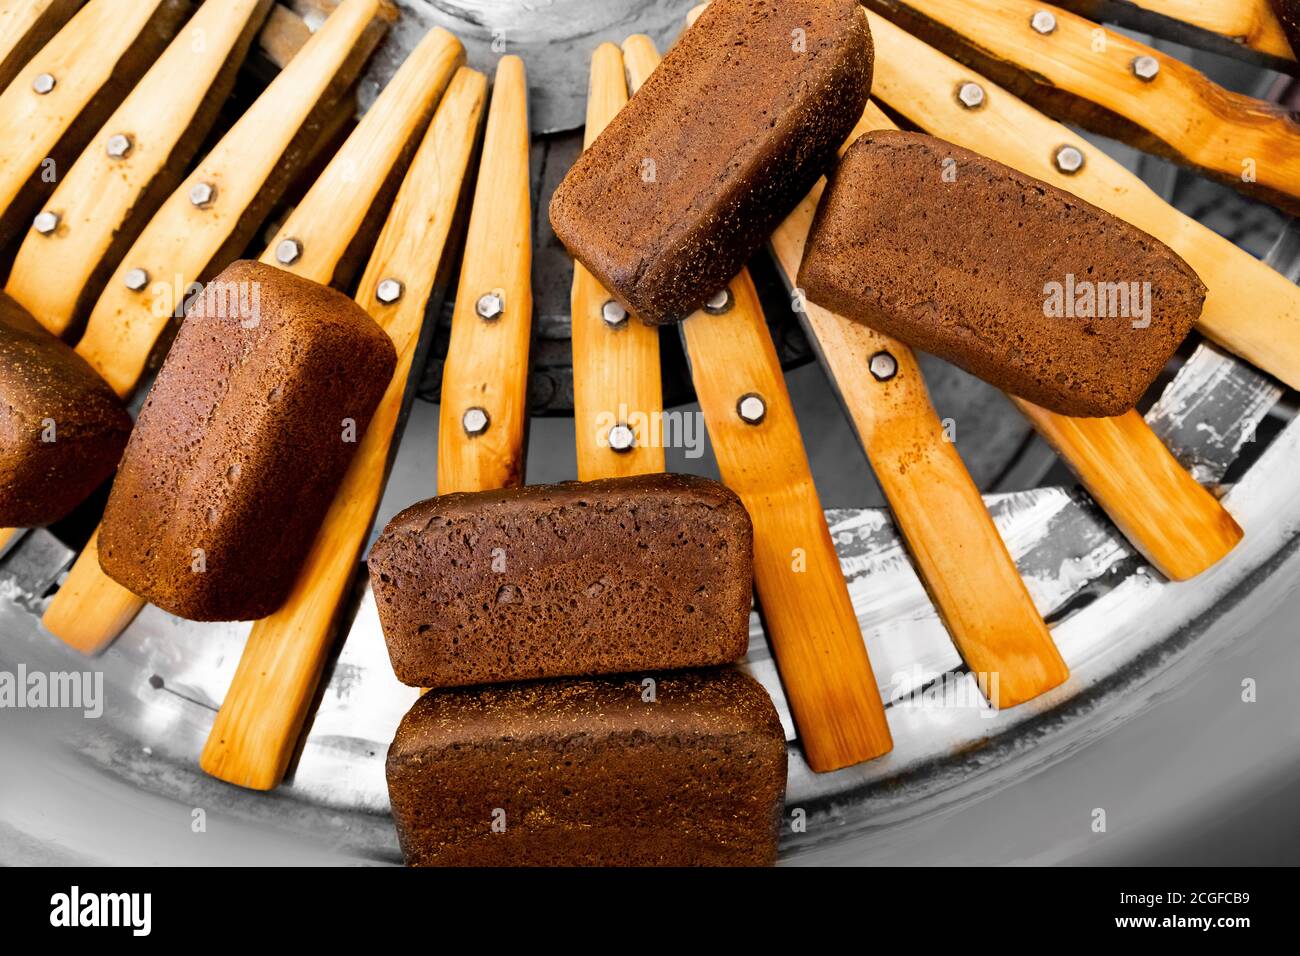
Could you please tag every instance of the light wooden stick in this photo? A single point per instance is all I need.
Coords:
(254, 735)
(25, 27)
(484, 409)
(958, 552)
(1250, 309)
(61, 96)
(326, 226)
(1111, 456)
(1251, 23)
(185, 242)
(616, 380)
(1106, 82)
(810, 619)
(138, 157)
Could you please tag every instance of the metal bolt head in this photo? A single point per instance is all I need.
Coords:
(1145, 68)
(1043, 21)
(389, 291)
(1068, 159)
(720, 303)
(751, 408)
(490, 305)
(288, 252)
(970, 95)
(119, 146)
(475, 421)
(44, 83)
(613, 313)
(136, 280)
(883, 366)
(622, 438)
(46, 222)
(202, 195)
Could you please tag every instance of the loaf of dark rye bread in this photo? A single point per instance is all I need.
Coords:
(687, 770)
(62, 429)
(1018, 282)
(623, 574)
(720, 143)
(242, 443)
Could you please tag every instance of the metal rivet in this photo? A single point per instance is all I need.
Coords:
(136, 279)
(1145, 68)
(970, 95)
(622, 438)
(202, 195)
(46, 222)
(883, 366)
(43, 83)
(751, 408)
(389, 291)
(613, 313)
(1068, 159)
(720, 303)
(288, 252)
(119, 146)
(475, 421)
(490, 305)
(1043, 21)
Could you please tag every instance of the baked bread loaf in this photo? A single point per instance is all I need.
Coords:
(1018, 282)
(720, 143)
(62, 430)
(242, 443)
(618, 575)
(689, 770)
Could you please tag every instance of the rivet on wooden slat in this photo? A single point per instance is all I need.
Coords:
(883, 366)
(389, 291)
(475, 421)
(970, 95)
(622, 438)
(490, 305)
(751, 408)
(720, 303)
(613, 313)
(288, 252)
(44, 83)
(136, 279)
(1068, 159)
(1145, 68)
(46, 222)
(119, 146)
(202, 195)
(1043, 21)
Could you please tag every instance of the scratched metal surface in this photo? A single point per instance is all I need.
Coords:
(1125, 632)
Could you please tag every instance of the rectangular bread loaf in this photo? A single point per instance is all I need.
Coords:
(242, 443)
(617, 575)
(716, 148)
(682, 769)
(1018, 282)
(62, 429)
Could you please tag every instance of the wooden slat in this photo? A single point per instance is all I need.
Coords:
(327, 223)
(1084, 75)
(104, 200)
(487, 358)
(25, 27)
(249, 169)
(255, 732)
(1250, 309)
(616, 375)
(809, 617)
(1252, 23)
(94, 61)
(959, 555)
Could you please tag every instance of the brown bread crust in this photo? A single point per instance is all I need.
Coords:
(588, 773)
(1288, 11)
(961, 268)
(43, 381)
(738, 124)
(617, 575)
(240, 446)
